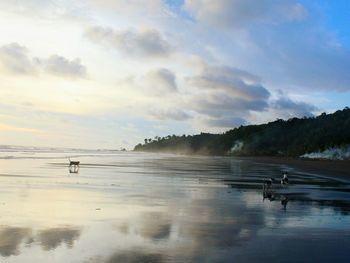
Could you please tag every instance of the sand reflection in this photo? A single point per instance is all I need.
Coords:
(12, 239)
(135, 256)
(52, 238)
(155, 226)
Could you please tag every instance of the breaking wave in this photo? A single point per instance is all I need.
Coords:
(9, 152)
(336, 153)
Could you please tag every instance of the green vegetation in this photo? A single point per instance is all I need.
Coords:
(293, 137)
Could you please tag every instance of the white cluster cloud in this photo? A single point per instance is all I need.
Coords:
(147, 42)
(62, 66)
(161, 82)
(15, 59)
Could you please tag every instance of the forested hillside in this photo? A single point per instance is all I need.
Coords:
(293, 137)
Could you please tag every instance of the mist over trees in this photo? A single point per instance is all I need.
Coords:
(290, 138)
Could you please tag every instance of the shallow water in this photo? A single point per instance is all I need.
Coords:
(134, 207)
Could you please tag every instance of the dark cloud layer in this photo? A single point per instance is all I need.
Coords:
(169, 114)
(227, 96)
(225, 122)
(234, 81)
(289, 108)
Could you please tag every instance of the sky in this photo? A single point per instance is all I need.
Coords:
(109, 73)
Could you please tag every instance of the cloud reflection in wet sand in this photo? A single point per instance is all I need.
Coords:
(155, 226)
(53, 237)
(194, 230)
(135, 256)
(132, 255)
(12, 238)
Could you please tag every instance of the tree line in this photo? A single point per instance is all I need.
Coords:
(290, 138)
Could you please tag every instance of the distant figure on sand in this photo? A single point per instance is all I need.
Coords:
(284, 201)
(284, 179)
(268, 194)
(73, 166)
(73, 163)
(267, 184)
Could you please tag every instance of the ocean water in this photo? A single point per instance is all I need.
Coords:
(137, 207)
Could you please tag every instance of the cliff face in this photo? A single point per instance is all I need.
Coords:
(294, 137)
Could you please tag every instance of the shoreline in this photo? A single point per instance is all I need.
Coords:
(325, 167)
(329, 168)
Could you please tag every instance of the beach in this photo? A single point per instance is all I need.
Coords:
(137, 207)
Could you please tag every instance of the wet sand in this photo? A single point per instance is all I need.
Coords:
(135, 207)
(332, 168)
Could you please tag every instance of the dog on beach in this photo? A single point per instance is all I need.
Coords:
(284, 201)
(268, 194)
(267, 184)
(284, 179)
(73, 163)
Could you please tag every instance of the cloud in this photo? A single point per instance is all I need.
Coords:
(269, 42)
(161, 81)
(128, 6)
(224, 122)
(58, 65)
(228, 97)
(219, 103)
(225, 96)
(231, 80)
(15, 59)
(240, 13)
(218, 96)
(147, 42)
(289, 108)
(169, 114)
